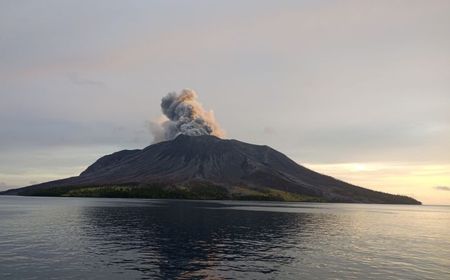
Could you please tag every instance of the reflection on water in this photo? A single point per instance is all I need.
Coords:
(73, 238)
(183, 239)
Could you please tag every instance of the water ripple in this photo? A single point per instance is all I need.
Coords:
(71, 238)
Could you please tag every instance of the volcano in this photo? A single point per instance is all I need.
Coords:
(207, 167)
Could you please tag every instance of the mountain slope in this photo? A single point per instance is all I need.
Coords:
(207, 160)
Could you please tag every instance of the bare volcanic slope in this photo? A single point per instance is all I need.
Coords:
(224, 169)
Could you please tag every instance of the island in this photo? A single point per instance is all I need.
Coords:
(207, 167)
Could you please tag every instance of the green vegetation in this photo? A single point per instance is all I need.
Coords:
(188, 191)
(196, 191)
(268, 194)
(203, 190)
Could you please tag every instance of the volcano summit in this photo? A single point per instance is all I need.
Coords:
(207, 167)
(189, 160)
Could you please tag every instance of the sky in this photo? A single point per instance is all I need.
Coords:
(359, 90)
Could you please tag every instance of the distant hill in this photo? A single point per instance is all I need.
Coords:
(207, 167)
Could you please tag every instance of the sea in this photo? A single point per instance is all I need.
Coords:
(105, 238)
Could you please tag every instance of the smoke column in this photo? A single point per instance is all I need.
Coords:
(183, 114)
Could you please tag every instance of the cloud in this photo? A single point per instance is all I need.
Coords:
(442, 188)
(44, 132)
(5, 186)
(76, 79)
(269, 130)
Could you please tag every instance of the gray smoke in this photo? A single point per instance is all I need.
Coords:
(442, 188)
(183, 114)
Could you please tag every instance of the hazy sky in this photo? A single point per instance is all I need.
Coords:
(356, 89)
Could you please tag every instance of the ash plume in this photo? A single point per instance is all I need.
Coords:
(183, 114)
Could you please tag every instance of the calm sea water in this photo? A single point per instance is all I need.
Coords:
(88, 238)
